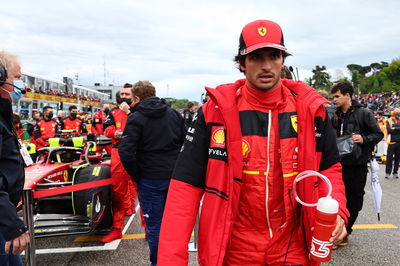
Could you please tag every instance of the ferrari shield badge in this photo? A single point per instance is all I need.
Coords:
(262, 31)
(293, 119)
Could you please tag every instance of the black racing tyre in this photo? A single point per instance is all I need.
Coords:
(82, 199)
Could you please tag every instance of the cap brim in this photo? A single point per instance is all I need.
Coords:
(262, 45)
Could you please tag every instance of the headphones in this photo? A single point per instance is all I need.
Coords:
(3, 75)
(3, 78)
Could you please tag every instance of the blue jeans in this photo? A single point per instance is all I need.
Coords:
(8, 259)
(152, 197)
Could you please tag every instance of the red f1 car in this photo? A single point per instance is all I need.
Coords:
(66, 162)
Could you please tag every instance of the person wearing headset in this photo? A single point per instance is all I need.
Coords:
(13, 233)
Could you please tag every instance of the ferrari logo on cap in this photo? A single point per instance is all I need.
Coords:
(262, 31)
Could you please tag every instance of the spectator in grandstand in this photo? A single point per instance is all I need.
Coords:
(45, 128)
(73, 122)
(188, 114)
(241, 158)
(124, 192)
(352, 119)
(393, 141)
(149, 147)
(13, 233)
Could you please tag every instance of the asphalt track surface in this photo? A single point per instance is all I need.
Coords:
(372, 243)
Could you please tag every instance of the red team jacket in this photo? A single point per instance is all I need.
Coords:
(44, 130)
(73, 124)
(97, 125)
(116, 120)
(216, 170)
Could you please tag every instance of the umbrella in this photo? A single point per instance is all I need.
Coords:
(376, 187)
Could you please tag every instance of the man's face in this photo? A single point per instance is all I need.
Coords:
(262, 69)
(48, 113)
(339, 99)
(73, 111)
(126, 93)
(14, 74)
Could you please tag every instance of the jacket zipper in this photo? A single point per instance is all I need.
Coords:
(266, 176)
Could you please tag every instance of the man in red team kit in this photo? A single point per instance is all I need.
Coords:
(98, 124)
(124, 192)
(99, 118)
(72, 122)
(241, 154)
(45, 128)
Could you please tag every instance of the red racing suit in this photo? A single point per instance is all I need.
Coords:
(224, 156)
(124, 192)
(98, 129)
(97, 125)
(70, 123)
(42, 131)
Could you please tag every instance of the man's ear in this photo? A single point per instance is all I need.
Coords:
(136, 99)
(242, 67)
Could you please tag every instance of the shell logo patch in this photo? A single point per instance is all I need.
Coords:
(42, 129)
(262, 31)
(218, 137)
(293, 120)
(245, 148)
(77, 123)
(118, 124)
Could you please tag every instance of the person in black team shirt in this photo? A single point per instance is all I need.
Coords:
(13, 233)
(149, 147)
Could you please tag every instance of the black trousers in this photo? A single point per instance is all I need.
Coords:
(354, 178)
(393, 150)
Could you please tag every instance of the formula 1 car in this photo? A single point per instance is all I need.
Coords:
(70, 161)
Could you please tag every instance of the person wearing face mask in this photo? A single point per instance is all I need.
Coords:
(393, 141)
(45, 128)
(72, 122)
(13, 233)
(124, 192)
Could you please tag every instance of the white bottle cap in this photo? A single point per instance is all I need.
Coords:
(328, 205)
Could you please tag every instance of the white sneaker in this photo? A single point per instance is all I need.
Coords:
(395, 176)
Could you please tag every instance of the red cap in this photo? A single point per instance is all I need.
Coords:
(259, 34)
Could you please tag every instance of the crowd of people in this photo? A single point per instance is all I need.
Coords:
(237, 156)
(382, 103)
(62, 93)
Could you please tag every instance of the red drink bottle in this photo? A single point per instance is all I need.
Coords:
(325, 222)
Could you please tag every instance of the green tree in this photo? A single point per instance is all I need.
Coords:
(320, 78)
(354, 67)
